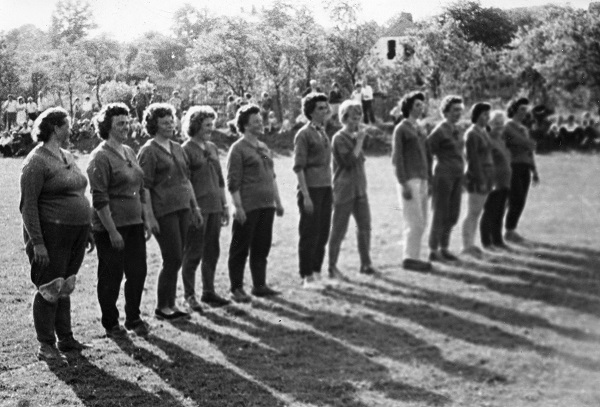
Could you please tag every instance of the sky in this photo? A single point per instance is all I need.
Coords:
(127, 19)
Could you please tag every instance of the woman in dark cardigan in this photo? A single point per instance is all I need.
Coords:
(56, 220)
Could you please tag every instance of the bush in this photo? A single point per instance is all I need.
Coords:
(115, 91)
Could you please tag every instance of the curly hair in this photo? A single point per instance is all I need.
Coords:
(407, 102)
(309, 103)
(448, 101)
(478, 109)
(514, 105)
(347, 107)
(103, 120)
(154, 112)
(243, 114)
(193, 119)
(44, 125)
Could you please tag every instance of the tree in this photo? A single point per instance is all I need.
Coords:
(310, 40)
(72, 20)
(103, 54)
(9, 80)
(189, 23)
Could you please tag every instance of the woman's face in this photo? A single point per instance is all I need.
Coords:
(166, 127)
(483, 118)
(206, 128)
(62, 133)
(417, 108)
(521, 113)
(454, 113)
(255, 125)
(119, 128)
(353, 119)
(321, 112)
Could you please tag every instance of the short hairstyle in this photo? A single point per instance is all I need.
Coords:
(193, 119)
(347, 107)
(20, 98)
(231, 98)
(478, 109)
(243, 114)
(44, 125)
(448, 101)
(309, 103)
(103, 120)
(247, 95)
(514, 105)
(407, 102)
(154, 112)
(497, 116)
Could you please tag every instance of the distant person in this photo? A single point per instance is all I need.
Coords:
(206, 176)
(87, 109)
(350, 189)
(10, 111)
(266, 105)
(446, 145)
(117, 187)
(490, 226)
(77, 109)
(253, 187)
(170, 202)
(231, 107)
(410, 160)
(524, 170)
(21, 111)
(32, 109)
(312, 165)
(312, 88)
(357, 92)
(335, 100)
(139, 101)
(176, 101)
(479, 175)
(56, 220)
(367, 103)
(155, 97)
(396, 113)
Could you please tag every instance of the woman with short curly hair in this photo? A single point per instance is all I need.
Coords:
(56, 219)
(170, 201)
(117, 185)
(206, 175)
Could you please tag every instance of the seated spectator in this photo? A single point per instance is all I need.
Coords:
(571, 134)
(287, 124)
(272, 122)
(6, 144)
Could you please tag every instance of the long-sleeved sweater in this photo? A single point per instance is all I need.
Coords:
(409, 152)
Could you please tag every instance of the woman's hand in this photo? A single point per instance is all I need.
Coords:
(117, 240)
(153, 227)
(40, 255)
(197, 219)
(239, 214)
(536, 179)
(279, 209)
(225, 216)
(406, 192)
(308, 205)
(91, 243)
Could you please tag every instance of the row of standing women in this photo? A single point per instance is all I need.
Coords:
(177, 193)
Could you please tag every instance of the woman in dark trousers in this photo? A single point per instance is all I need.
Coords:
(56, 220)
(202, 243)
(117, 185)
(170, 202)
(253, 187)
(522, 148)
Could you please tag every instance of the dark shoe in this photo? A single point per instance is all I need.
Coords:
(139, 327)
(213, 299)
(503, 247)
(513, 236)
(436, 256)
(447, 255)
(193, 304)
(368, 270)
(50, 354)
(116, 332)
(175, 315)
(240, 296)
(416, 265)
(72, 344)
(336, 274)
(264, 291)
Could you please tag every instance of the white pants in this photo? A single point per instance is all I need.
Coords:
(414, 211)
(474, 209)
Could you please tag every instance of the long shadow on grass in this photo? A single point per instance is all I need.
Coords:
(95, 387)
(391, 341)
(307, 366)
(460, 328)
(204, 382)
(505, 315)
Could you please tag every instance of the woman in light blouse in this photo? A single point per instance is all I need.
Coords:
(117, 185)
(170, 202)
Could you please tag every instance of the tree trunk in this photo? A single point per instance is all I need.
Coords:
(279, 106)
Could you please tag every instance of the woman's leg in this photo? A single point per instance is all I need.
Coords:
(341, 217)
(135, 270)
(260, 246)
(469, 228)
(362, 216)
(521, 178)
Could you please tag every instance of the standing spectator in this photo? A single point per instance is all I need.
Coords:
(140, 101)
(312, 88)
(32, 109)
(170, 201)
(253, 188)
(409, 157)
(490, 226)
(521, 148)
(367, 103)
(479, 176)
(56, 220)
(41, 105)
(357, 92)
(10, 111)
(350, 189)
(21, 111)
(175, 101)
(231, 107)
(446, 144)
(312, 165)
(87, 109)
(77, 109)
(117, 186)
(266, 105)
(335, 99)
(155, 97)
(202, 243)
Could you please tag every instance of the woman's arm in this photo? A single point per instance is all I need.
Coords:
(278, 206)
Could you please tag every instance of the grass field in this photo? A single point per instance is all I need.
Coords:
(513, 330)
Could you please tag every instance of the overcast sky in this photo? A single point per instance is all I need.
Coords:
(125, 19)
